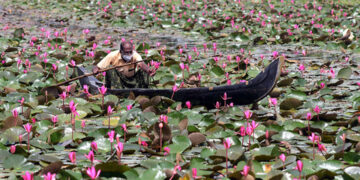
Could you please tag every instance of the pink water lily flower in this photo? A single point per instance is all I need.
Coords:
(68, 88)
(267, 134)
(119, 147)
(111, 135)
(86, 31)
(54, 119)
(242, 131)
(188, 104)
(102, 90)
(321, 147)
(254, 124)
(248, 114)
(301, 68)
(303, 52)
(214, 45)
(94, 146)
(245, 170)
(144, 144)
(282, 157)
(182, 66)
(22, 100)
(228, 82)
(15, 113)
(28, 176)
(63, 95)
(343, 137)
(90, 156)
(275, 54)
(317, 109)
(92, 173)
(227, 143)
(174, 88)
(72, 107)
(54, 67)
(83, 123)
(332, 73)
(194, 173)
(72, 63)
(299, 166)
(249, 130)
(124, 127)
(308, 116)
(72, 157)
(166, 151)
(28, 127)
(49, 176)
(224, 97)
(12, 149)
(86, 89)
(163, 118)
(109, 110)
(273, 101)
(313, 137)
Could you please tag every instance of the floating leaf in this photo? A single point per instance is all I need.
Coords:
(331, 165)
(114, 121)
(68, 135)
(13, 133)
(112, 169)
(217, 71)
(28, 78)
(14, 162)
(155, 174)
(266, 153)
(180, 143)
(196, 138)
(290, 103)
(353, 171)
(344, 73)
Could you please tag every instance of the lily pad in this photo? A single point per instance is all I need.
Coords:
(353, 171)
(112, 169)
(196, 138)
(344, 73)
(180, 144)
(290, 103)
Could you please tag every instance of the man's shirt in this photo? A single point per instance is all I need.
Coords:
(114, 59)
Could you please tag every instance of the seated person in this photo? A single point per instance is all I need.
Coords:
(135, 75)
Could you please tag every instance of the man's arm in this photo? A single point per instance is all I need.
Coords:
(95, 69)
(105, 62)
(146, 68)
(142, 65)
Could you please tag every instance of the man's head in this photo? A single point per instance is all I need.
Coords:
(126, 50)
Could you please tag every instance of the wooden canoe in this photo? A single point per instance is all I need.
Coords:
(239, 94)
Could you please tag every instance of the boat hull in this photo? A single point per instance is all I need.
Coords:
(239, 94)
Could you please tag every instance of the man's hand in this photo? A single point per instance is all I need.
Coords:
(152, 71)
(95, 69)
(145, 68)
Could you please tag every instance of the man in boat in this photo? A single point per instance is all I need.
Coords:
(135, 75)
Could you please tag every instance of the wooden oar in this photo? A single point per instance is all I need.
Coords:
(91, 74)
